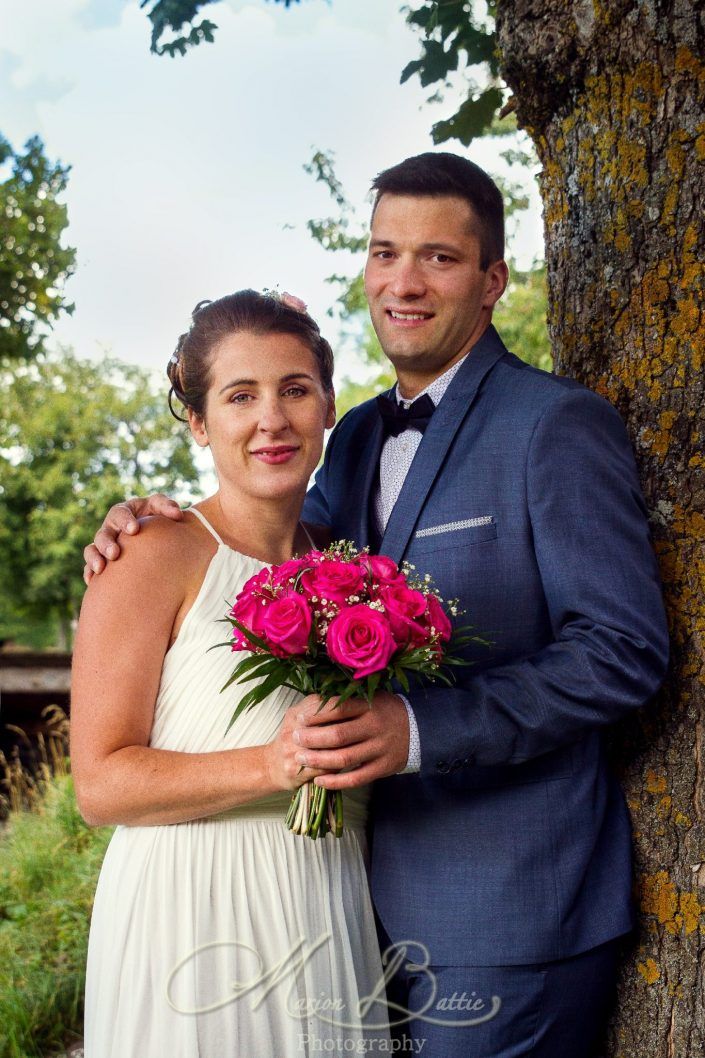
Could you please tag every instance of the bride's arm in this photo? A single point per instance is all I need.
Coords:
(124, 632)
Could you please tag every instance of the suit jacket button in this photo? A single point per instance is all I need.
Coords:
(443, 766)
(456, 764)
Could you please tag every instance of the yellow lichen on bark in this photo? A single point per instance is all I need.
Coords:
(655, 783)
(649, 971)
(659, 440)
(690, 911)
(683, 573)
(688, 62)
(677, 912)
(700, 143)
(657, 896)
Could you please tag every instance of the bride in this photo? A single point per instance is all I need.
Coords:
(216, 932)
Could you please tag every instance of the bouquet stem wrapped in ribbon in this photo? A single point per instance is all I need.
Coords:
(339, 623)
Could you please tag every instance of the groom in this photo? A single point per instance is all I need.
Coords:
(501, 844)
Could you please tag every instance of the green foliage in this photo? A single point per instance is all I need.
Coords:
(173, 15)
(76, 436)
(456, 39)
(333, 233)
(520, 317)
(33, 264)
(49, 865)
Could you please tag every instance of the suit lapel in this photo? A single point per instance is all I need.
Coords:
(438, 438)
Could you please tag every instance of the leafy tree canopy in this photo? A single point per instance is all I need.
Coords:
(76, 436)
(173, 15)
(33, 263)
(458, 38)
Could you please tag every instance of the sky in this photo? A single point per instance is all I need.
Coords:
(187, 177)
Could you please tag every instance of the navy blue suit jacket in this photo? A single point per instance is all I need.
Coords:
(512, 844)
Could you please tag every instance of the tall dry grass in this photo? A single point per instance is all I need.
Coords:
(49, 865)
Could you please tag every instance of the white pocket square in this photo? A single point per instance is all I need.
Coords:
(451, 527)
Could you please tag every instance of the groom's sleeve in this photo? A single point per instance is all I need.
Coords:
(601, 587)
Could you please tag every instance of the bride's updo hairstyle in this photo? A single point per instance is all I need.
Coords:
(214, 321)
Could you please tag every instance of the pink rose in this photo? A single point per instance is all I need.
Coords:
(382, 569)
(249, 610)
(436, 618)
(403, 606)
(287, 571)
(360, 638)
(333, 580)
(287, 623)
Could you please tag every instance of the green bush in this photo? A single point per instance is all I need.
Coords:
(49, 864)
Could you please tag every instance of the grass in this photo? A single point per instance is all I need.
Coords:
(49, 864)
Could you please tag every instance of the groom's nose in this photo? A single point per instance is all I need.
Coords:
(407, 279)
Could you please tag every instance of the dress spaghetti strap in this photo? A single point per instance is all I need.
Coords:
(207, 525)
(204, 521)
(310, 540)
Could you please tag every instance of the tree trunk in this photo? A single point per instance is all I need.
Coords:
(613, 94)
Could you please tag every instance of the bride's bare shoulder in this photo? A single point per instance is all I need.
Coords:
(163, 550)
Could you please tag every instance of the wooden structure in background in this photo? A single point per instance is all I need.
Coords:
(28, 683)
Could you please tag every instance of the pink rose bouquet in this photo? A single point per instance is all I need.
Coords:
(340, 623)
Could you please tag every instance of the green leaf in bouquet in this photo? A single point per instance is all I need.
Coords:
(267, 667)
(241, 673)
(401, 675)
(234, 675)
(327, 685)
(350, 691)
(248, 634)
(246, 702)
(226, 643)
(252, 661)
(372, 685)
(257, 694)
(272, 682)
(443, 677)
(295, 680)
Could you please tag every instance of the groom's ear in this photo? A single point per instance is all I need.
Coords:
(197, 426)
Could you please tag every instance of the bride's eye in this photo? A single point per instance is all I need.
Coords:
(240, 398)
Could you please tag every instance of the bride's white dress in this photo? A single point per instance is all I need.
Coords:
(229, 936)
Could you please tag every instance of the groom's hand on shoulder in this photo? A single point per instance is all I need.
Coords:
(353, 744)
(122, 518)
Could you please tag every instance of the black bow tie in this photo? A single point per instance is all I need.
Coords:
(396, 418)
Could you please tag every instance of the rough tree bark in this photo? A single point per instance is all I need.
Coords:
(613, 94)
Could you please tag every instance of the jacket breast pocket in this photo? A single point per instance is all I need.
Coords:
(461, 533)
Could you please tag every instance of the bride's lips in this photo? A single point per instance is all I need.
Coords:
(408, 317)
(274, 454)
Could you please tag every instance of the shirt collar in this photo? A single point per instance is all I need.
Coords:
(436, 389)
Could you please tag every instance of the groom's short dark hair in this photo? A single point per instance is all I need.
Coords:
(440, 174)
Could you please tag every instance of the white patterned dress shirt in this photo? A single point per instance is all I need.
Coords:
(395, 461)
